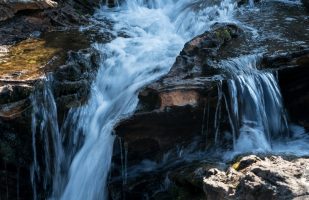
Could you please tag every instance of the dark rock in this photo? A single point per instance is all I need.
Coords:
(243, 2)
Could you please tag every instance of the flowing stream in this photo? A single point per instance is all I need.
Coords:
(150, 36)
(155, 32)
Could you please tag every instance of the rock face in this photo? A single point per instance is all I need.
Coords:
(172, 109)
(8, 8)
(260, 178)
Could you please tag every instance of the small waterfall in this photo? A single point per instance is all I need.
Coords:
(48, 153)
(256, 111)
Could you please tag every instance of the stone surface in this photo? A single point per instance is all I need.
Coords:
(253, 177)
(8, 8)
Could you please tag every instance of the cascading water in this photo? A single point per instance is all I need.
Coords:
(45, 127)
(256, 111)
(153, 33)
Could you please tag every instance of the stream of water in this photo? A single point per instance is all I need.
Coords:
(152, 35)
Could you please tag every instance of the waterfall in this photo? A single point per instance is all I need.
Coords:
(45, 128)
(256, 111)
(151, 35)
(155, 34)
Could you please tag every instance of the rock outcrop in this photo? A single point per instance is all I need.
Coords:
(259, 178)
(172, 110)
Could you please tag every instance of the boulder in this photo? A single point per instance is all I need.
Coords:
(254, 177)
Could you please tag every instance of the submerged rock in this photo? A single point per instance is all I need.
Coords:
(253, 177)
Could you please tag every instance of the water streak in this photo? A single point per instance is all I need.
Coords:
(45, 128)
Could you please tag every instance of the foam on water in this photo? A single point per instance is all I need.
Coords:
(149, 36)
(153, 34)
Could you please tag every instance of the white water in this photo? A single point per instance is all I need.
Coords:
(156, 32)
(256, 105)
(152, 35)
(258, 119)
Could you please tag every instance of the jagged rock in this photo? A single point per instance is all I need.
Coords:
(260, 178)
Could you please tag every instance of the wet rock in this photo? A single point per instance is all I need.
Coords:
(89, 5)
(173, 109)
(31, 24)
(24, 67)
(260, 178)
